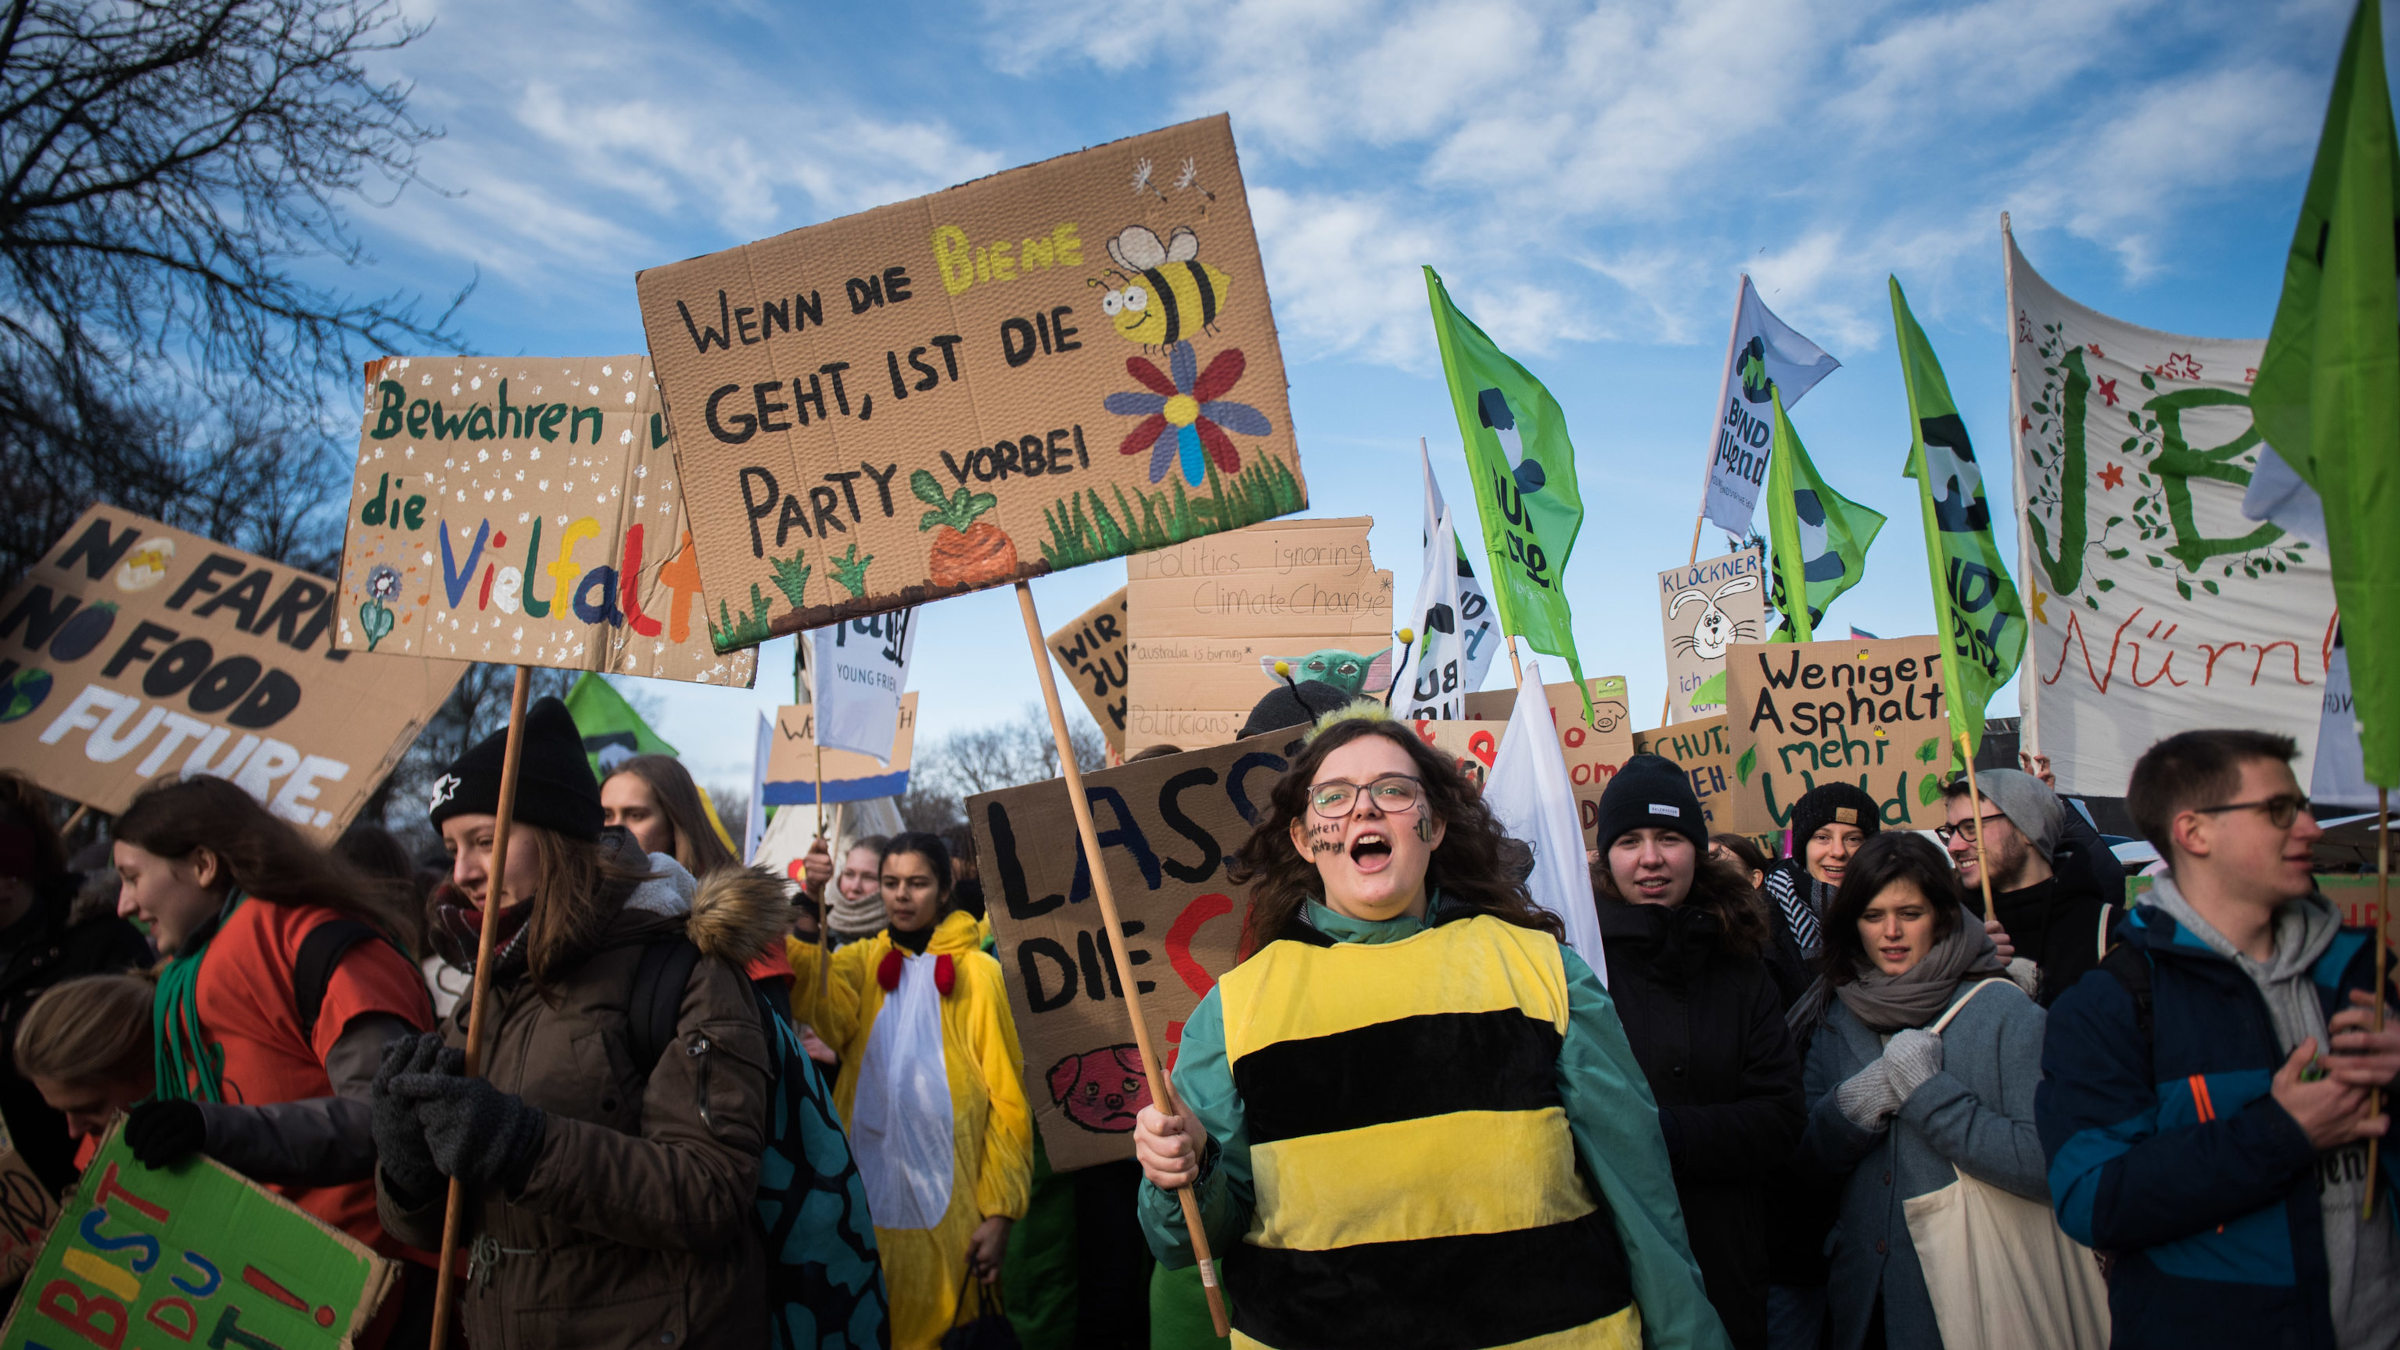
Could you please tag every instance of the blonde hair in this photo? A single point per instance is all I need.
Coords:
(94, 1029)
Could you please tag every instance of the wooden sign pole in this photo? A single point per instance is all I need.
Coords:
(816, 730)
(74, 820)
(2383, 936)
(1162, 1088)
(454, 1219)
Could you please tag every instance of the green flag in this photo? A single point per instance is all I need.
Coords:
(1975, 605)
(1820, 537)
(1523, 469)
(2327, 397)
(609, 726)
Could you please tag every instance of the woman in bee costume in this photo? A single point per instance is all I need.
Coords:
(1412, 1113)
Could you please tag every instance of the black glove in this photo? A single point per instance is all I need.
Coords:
(475, 1132)
(407, 1163)
(163, 1134)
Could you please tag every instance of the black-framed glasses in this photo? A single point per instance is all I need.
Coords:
(1966, 829)
(2281, 809)
(1393, 796)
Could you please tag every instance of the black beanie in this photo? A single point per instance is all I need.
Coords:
(1293, 705)
(1832, 804)
(1653, 792)
(555, 788)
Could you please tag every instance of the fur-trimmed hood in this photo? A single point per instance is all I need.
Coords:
(739, 913)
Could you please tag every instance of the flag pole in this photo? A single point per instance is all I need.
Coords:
(1708, 462)
(454, 1215)
(1162, 1087)
(1983, 869)
(2383, 914)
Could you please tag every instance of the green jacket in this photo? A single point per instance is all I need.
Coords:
(1608, 1106)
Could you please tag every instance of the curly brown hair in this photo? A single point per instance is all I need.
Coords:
(1475, 866)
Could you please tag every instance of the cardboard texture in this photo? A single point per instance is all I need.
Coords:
(1165, 826)
(27, 1211)
(1869, 712)
(1472, 745)
(1209, 619)
(1052, 366)
(1701, 749)
(525, 511)
(1090, 649)
(133, 650)
(1594, 750)
(849, 776)
(196, 1254)
(1706, 608)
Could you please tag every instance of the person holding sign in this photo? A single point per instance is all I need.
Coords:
(1924, 1068)
(281, 992)
(1419, 1116)
(947, 1156)
(611, 1201)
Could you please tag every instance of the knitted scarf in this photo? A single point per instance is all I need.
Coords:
(186, 1067)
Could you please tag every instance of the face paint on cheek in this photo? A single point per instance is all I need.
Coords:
(1324, 840)
(1425, 828)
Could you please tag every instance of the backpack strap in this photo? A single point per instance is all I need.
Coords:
(2131, 967)
(656, 1000)
(320, 952)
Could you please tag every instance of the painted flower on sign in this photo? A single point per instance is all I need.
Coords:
(383, 583)
(1185, 413)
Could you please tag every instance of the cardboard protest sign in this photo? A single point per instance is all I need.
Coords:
(1473, 745)
(1165, 828)
(1052, 366)
(1209, 619)
(1594, 750)
(1706, 608)
(849, 776)
(134, 649)
(1866, 712)
(1700, 748)
(27, 1211)
(1091, 650)
(196, 1254)
(525, 511)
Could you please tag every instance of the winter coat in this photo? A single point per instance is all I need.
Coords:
(990, 1129)
(636, 1224)
(1975, 1115)
(2169, 1152)
(1800, 1205)
(1707, 1027)
(2061, 924)
(60, 938)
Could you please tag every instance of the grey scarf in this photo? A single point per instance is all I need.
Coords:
(1917, 995)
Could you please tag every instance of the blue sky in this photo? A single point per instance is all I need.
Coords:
(1590, 180)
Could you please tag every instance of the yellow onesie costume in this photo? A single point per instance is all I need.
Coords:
(927, 1199)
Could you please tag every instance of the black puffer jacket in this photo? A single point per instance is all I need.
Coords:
(60, 938)
(1707, 1026)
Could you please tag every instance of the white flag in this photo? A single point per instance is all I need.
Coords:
(1764, 355)
(1529, 793)
(755, 827)
(858, 669)
(1456, 634)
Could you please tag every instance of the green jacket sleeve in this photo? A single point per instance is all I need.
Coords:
(1615, 1122)
(1204, 1082)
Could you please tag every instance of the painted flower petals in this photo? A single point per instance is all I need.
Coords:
(1220, 448)
(1223, 373)
(1130, 404)
(1185, 365)
(1145, 433)
(1149, 375)
(1162, 453)
(1239, 417)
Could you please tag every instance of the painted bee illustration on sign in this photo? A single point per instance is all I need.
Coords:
(1167, 294)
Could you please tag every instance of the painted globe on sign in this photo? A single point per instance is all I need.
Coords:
(23, 693)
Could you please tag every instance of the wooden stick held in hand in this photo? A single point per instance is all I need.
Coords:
(454, 1218)
(1162, 1088)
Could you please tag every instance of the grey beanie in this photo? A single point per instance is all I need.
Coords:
(2034, 809)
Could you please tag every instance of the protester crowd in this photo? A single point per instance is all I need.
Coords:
(1821, 1100)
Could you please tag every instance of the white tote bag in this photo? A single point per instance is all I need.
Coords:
(2000, 1273)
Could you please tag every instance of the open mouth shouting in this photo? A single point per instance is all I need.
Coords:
(1371, 850)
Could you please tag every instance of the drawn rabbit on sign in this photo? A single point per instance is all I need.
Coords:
(1716, 629)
